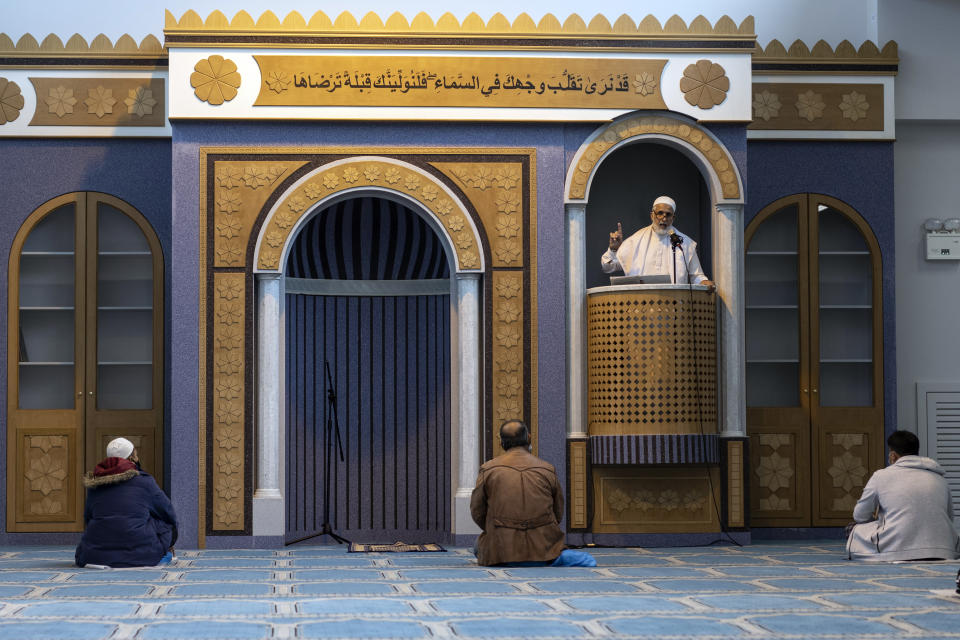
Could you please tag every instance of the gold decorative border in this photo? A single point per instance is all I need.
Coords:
(241, 189)
(614, 132)
(572, 28)
(817, 106)
(579, 517)
(350, 174)
(823, 55)
(229, 366)
(150, 51)
(99, 102)
(655, 499)
(735, 493)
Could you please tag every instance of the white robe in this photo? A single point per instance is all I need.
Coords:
(914, 514)
(648, 253)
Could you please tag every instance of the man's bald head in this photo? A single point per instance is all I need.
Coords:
(514, 433)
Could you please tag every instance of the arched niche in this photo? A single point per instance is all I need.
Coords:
(464, 245)
(624, 187)
(725, 194)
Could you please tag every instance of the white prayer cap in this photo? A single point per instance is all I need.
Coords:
(666, 200)
(119, 448)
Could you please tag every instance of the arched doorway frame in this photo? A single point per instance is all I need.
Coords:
(77, 433)
(465, 255)
(724, 183)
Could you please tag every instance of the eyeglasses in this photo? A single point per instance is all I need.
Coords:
(662, 214)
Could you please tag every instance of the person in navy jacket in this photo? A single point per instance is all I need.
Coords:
(128, 521)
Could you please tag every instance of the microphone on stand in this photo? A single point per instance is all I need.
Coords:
(676, 240)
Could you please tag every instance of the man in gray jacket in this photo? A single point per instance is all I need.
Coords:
(905, 512)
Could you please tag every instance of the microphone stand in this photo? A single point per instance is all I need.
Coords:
(675, 241)
(331, 429)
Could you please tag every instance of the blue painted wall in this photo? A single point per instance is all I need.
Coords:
(858, 173)
(34, 171)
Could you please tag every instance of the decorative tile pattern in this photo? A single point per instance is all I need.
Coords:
(577, 485)
(736, 502)
(228, 405)
(848, 470)
(96, 102)
(47, 478)
(767, 590)
(817, 106)
(775, 472)
(652, 363)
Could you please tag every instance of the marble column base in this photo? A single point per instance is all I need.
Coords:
(268, 514)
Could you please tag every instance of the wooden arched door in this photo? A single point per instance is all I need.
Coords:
(84, 353)
(814, 360)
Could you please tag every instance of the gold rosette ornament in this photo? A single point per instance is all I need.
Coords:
(11, 101)
(215, 80)
(705, 84)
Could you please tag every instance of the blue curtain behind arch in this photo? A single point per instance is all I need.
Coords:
(390, 360)
(367, 239)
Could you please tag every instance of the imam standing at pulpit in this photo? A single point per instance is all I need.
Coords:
(650, 251)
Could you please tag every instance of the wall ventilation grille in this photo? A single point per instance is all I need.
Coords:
(943, 437)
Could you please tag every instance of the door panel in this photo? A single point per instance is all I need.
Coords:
(780, 460)
(124, 347)
(846, 408)
(48, 497)
(778, 409)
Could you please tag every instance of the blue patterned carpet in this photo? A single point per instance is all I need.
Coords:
(767, 590)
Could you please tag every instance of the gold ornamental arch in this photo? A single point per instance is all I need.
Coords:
(696, 142)
(254, 200)
(366, 174)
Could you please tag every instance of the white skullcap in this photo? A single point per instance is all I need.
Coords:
(119, 448)
(666, 200)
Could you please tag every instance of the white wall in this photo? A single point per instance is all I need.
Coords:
(926, 33)
(928, 292)
(927, 157)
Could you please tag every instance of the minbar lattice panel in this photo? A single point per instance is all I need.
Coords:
(652, 362)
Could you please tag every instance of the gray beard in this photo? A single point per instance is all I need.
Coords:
(661, 232)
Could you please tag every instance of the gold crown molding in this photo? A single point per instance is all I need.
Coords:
(99, 50)
(823, 55)
(473, 25)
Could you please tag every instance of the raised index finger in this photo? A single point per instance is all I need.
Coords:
(619, 229)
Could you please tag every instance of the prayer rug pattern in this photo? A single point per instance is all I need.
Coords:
(779, 590)
(360, 547)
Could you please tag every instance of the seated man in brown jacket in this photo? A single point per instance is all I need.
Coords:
(518, 503)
